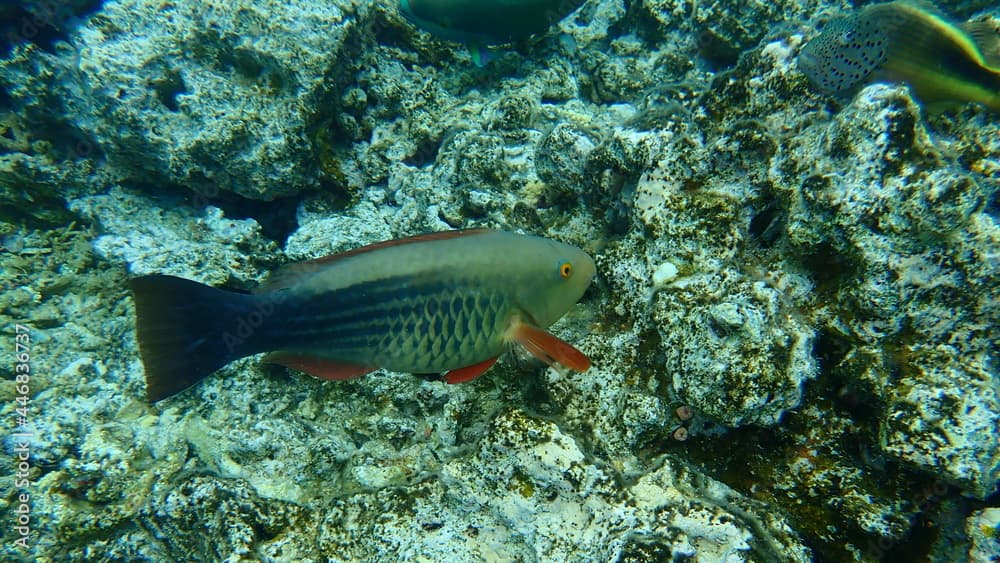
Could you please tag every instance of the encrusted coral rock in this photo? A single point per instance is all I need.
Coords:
(903, 241)
(217, 97)
(199, 511)
(733, 344)
(813, 280)
(983, 528)
(943, 412)
(152, 239)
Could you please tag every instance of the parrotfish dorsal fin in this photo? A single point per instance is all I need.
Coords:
(986, 35)
(288, 275)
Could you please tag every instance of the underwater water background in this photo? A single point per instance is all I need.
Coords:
(793, 328)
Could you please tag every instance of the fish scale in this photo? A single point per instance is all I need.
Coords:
(424, 326)
(442, 332)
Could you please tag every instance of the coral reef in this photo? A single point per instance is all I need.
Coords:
(910, 239)
(984, 529)
(793, 330)
(210, 96)
(135, 228)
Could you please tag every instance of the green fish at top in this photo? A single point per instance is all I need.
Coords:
(479, 23)
(907, 41)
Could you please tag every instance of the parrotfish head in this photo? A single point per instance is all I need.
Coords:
(554, 279)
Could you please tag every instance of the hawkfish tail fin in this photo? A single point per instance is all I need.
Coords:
(986, 36)
(187, 330)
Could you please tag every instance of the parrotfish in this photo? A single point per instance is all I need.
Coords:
(444, 303)
(478, 23)
(912, 42)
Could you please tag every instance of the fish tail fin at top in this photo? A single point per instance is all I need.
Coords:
(986, 36)
(481, 54)
(187, 330)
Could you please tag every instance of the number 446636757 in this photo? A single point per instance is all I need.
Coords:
(22, 366)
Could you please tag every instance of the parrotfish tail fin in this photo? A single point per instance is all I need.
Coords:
(187, 330)
(550, 349)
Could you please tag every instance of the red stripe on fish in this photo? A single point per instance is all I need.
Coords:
(461, 375)
(331, 370)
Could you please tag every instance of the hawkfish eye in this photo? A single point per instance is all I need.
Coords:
(565, 270)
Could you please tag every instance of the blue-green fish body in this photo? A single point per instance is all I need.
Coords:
(486, 22)
(446, 302)
(910, 42)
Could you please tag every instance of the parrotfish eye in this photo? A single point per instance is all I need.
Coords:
(565, 270)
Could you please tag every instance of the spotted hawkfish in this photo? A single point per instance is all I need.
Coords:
(444, 303)
(907, 41)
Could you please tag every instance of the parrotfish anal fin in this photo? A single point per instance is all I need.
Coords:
(550, 349)
(322, 368)
(288, 275)
(468, 373)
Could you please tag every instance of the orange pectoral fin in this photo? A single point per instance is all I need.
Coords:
(468, 373)
(550, 349)
(322, 368)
